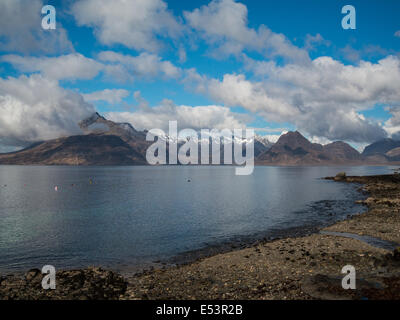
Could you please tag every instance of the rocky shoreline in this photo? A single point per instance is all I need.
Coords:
(305, 267)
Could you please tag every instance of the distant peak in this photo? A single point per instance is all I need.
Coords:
(84, 124)
(98, 116)
(337, 143)
(293, 134)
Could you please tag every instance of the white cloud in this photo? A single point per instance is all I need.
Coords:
(111, 96)
(199, 117)
(223, 24)
(397, 34)
(72, 66)
(365, 52)
(143, 65)
(21, 29)
(392, 126)
(328, 80)
(350, 54)
(338, 124)
(320, 140)
(236, 90)
(35, 108)
(137, 24)
(182, 55)
(323, 99)
(311, 42)
(115, 66)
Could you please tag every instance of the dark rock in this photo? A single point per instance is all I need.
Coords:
(396, 254)
(32, 274)
(341, 176)
(87, 284)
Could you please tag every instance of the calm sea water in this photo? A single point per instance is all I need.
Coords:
(122, 217)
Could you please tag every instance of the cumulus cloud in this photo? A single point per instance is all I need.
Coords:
(347, 125)
(35, 108)
(199, 117)
(72, 66)
(137, 24)
(397, 34)
(21, 29)
(115, 66)
(329, 80)
(146, 64)
(323, 98)
(392, 126)
(111, 96)
(236, 90)
(224, 24)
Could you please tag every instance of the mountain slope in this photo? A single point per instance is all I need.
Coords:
(341, 151)
(394, 154)
(381, 147)
(91, 149)
(294, 149)
(99, 125)
(105, 142)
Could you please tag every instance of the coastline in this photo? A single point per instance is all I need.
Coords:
(294, 267)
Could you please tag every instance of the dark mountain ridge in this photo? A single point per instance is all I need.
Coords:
(90, 149)
(381, 147)
(104, 142)
(294, 149)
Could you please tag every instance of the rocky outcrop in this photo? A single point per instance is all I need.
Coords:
(341, 176)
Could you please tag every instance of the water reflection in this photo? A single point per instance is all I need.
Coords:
(130, 215)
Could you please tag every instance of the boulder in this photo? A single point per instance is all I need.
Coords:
(396, 254)
(341, 176)
(32, 274)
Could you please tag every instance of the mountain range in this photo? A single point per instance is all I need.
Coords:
(104, 142)
(294, 149)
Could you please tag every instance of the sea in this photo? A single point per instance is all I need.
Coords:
(131, 218)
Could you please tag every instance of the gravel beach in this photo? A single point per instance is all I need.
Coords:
(307, 267)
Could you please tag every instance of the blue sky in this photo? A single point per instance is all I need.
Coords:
(271, 65)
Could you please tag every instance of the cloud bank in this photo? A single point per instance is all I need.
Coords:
(35, 108)
(146, 117)
(224, 25)
(323, 98)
